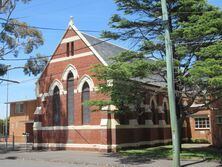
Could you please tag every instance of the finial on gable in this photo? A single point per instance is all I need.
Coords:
(71, 21)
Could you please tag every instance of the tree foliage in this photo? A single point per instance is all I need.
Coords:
(196, 33)
(17, 36)
(118, 75)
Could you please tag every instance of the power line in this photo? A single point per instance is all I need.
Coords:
(48, 28)
(8, 80)
(36, 5)
(62, 29)
(43, 77)
(203, 42)
(20, 82)
(101, 41)
(24, 59)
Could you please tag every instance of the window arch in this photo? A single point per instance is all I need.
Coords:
(56, 106)
(153, 109)
(166, 110)
(55, 83)
(88, 79)
(70, 98)
(70, 68)
(85, 108)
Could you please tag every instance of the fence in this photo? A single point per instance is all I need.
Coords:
(15, 143)
(17, 139)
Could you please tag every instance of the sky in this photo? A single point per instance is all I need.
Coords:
(91, 15)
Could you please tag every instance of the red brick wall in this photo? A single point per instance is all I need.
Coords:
(55, 71)
(17, 121)
(204, 133)
(216, 128)
(91, 136)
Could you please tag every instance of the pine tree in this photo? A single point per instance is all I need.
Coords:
(196, 32)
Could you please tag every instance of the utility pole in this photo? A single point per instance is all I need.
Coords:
(7, 91)
(171, 87)
(6, 126)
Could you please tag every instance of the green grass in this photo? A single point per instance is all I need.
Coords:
(166, 152)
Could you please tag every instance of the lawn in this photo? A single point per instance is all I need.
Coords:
(208, 153)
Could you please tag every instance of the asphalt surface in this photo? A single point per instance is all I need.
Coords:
(29, 158)
(87, 159)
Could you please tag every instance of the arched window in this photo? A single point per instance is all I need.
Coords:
(70, 98)
(153, 109)
(56, 106)
(85, 108)
(165, 109)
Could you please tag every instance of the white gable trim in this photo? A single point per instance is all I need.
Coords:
(70, 68)
(49, 61)
(76, 56)
(88, 79)
(55, 83)
(37, 89)
(71, 57)
(88, 44)
(70, 39)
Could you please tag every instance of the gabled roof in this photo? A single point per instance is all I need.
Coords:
(152, 79)
(21, 101)
(105, 49)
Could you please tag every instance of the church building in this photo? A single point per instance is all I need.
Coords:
(61, 121)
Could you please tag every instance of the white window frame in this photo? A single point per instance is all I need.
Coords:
(205, 121)
(219, 119)
(18, 108)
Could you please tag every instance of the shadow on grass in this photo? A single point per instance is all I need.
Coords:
(149, 155)
(165, 152)
(193, 163)
(130, 160)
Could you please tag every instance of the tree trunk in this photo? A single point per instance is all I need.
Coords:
(180, 119)
(180, 122)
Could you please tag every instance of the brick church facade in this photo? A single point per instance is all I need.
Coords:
(61, 121)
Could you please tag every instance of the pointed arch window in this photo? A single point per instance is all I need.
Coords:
(85, 108)
(56, 106)
(165, 109)
(72, 48)
(67, 49)
(153, 109)
(70, 98)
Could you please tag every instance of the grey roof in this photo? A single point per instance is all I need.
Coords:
(105, 49)
(108, 50)
(155, 80)
(20, 101)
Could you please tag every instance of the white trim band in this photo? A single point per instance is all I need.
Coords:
(66, 145)
(81, 127)
(100, 146)
(70, 39)
(71, 57)
(96, 127)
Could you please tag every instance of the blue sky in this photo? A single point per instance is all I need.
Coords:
(88, 15)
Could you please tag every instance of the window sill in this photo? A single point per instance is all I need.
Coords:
(202, 128)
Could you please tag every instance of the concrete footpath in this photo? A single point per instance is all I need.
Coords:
(89, 159)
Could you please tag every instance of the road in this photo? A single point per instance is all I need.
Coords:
(87, 159)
